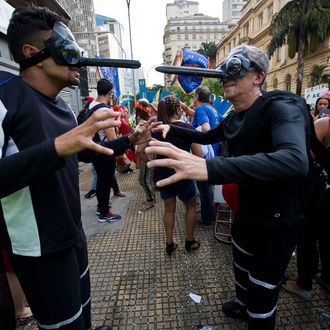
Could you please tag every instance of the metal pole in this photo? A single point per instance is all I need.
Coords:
(130, 38)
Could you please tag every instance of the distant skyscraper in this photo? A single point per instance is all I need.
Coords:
(231, 12)
(110, 46)
(83, 20)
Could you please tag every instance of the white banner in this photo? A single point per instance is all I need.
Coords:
(313, 93)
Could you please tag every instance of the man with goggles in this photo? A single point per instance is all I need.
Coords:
(61, 46)
(267, 158)
(40, 215)
(238, 65)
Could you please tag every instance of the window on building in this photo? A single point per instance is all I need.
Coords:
(194, 36)
(179, 37)
(288, 83)
(279, 54)
(275, 84)
(246, 30)
(178, 28)
(270, 12)
(215, 37)
(201, 37)
(261, 20)
(186, 37)
(251, 25)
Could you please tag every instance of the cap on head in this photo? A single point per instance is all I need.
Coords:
(253, 54)
(88, 98)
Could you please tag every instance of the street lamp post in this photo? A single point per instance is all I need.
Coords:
(128, 2)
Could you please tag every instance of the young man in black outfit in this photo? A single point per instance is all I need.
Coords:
(40, 215)
(104, 166)
(266, 137)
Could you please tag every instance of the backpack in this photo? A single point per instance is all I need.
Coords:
(86, 112)
(87, 156)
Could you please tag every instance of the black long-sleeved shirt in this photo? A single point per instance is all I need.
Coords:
(268, 149)
(39, 191)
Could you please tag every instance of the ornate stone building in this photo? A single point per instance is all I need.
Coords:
(186, 28)
(253, 29)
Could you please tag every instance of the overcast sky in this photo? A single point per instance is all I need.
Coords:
(148, 20)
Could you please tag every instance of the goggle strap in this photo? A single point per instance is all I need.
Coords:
(35, 59)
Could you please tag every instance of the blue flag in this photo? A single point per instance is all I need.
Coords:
(189, 58)
(142, 88)
(110, 74)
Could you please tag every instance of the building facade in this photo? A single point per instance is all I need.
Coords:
(110, 45)
(186, 28)
(253, 29)
(231, 11)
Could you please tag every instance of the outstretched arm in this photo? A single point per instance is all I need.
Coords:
(214, 135)
(81, 137)
(186, 165)
(25, 166)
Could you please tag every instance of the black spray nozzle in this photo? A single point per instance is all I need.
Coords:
(190, 71)
(118, 63)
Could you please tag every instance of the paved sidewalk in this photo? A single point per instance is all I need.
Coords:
(135, 285)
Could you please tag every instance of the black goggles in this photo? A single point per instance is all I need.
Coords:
(237, 66)
(61, 46)
(64, 50)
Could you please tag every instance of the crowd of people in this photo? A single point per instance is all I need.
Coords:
(269, 146)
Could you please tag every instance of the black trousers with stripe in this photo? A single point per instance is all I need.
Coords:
(57, 287)
(261, 257)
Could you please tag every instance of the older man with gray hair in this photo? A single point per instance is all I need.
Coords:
(266, 135)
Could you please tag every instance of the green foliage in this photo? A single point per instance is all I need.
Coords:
(315, 18)
(209, 49)
(292, 42)
(214, 85)
(155, 87)
(317, 75)
(297, 20)
(284, 23)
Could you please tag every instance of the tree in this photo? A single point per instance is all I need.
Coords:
(318, 76)
(294, 23)
(209, 49)
(214, 85)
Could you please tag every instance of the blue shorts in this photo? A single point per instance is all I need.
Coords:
(186, 195)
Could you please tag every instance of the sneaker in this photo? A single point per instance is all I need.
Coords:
(90, 194)
(119, 194)
(109, 217)
(234, 310)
